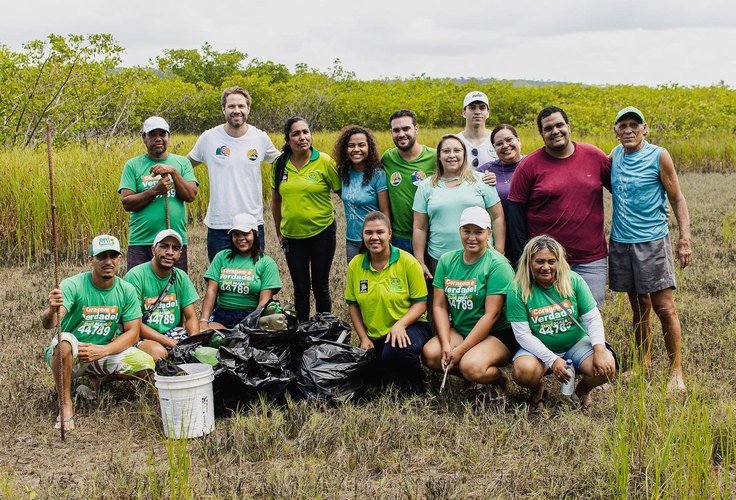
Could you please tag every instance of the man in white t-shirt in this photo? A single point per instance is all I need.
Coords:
(476, 136)
(233, 153)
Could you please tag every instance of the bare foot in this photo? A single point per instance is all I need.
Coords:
(676, 384)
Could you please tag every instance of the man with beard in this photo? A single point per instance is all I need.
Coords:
(406, 166)
(151, 184)
(233, 153)
(99, 317)
(166, 297)
(558, 190)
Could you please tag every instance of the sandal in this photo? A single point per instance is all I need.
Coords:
(68, 423)
(537, 406)
(584, 407)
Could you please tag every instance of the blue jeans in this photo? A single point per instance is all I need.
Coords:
(219, 240)
(403, 365)
(594, 274)
(403, 243)
(351, 249)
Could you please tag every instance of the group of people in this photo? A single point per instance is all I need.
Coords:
(454, 220)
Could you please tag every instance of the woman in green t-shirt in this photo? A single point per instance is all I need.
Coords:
(474, 338)
(301, 202)
(387, 299)
(240, 279)
(555, 318)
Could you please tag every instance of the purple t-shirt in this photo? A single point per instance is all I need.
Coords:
(503, 173)
(564, 199)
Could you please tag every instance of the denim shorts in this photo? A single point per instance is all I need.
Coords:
(578, 353)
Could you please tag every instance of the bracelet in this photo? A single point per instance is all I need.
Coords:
(204, 319)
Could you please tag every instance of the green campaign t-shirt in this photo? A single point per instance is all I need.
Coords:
(403, 177)
(467, 285)
(545, 318)
(149, 286)
(240, 281)
(385, 296)
(94, 315)
(145, 224)
(306, 206)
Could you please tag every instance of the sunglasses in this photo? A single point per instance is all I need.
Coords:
(474, 152)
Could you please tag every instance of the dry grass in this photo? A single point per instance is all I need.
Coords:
(636, 442)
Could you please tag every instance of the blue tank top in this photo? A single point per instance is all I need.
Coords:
(639, 198)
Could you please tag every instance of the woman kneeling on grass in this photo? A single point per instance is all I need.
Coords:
(547, 310)
(240, 278)
(474, 338)
(387, 300)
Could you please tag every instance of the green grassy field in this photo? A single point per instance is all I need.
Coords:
(637, 442)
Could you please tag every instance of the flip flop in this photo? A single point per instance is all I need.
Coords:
(537, 406)
(68, 423)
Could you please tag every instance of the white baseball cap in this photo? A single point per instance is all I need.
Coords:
(165, 234)
(244, 222)
(153, 123)
(475, 96)
(103, 243)
(477, 216)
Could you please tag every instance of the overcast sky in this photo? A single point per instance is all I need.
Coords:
(590, 41)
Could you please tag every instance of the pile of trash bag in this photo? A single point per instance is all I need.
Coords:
(269, 353)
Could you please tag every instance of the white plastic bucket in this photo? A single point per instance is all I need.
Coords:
(187, 402)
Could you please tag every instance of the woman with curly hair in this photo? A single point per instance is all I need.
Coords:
(364, 186)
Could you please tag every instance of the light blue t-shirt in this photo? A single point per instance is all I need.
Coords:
(444, 206)
(359, 200)
(639, 197)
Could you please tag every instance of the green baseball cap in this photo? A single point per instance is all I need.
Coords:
(103, 243)
(629, 110)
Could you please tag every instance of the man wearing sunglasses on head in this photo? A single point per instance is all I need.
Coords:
(475, 135)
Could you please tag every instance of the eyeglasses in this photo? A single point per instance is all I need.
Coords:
(508, 140)
(474, 152)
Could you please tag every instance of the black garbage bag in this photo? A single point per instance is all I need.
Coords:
(332, 371)
(183, 352)
(253, 372)
(277, 342)
(322, 326)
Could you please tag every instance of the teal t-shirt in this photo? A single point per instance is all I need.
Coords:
(149, 286)
(240, 281)
(94, 315)
(548, 323)
(145, 224)
(444, 205)
(466, 287)
(359, 199)
(403, 177)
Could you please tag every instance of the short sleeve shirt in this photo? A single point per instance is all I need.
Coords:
(564, 199)
(466, 287)
(240, 281)
(359, 199)
(402, 178)
(95, 315)
(385, 296)
(306, 202)
(146, 223)
(444, 205)
(234, 168)
(548, 322)
(149, 286)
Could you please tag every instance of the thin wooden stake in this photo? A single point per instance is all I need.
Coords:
(55, 235)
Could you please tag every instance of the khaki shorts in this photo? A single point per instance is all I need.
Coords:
(129, 362)
(641, 267)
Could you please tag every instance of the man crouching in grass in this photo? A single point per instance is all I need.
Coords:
(100, 321)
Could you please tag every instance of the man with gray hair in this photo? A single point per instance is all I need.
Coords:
(233, 153)
(154, 186)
